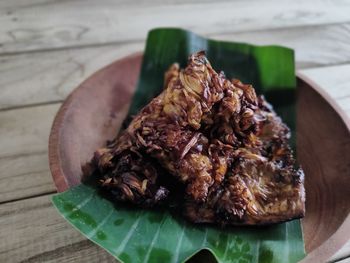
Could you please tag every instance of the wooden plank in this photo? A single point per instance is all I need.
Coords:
(32, 231)
(57, 73)
(26, 131)
(24, 176)
(23, 154)
(314, 46)
(336, 82)
(57, 24)
(334, 78)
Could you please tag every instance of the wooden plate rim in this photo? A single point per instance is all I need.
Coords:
(57, 173)
(338, 239)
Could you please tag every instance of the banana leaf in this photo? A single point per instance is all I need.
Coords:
(138, 235)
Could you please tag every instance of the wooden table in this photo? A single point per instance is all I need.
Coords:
(48, 47)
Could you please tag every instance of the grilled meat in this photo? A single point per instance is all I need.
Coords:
(225, 146)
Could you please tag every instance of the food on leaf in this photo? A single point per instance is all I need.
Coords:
(211, 147)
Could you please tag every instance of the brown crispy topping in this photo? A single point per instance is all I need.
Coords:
(211, 142)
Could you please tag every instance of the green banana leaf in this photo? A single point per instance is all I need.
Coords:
(137, 235)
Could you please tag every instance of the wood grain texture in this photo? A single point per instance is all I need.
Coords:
(314, 46)
(26, 131)
(57, 73)
(337, 89)
(337, 86)
(32, 231)
(323, 141)
(24, 137)
(25, 176)
(57, 24)
(335, 83)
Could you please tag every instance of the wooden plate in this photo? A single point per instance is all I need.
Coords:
(94, 112)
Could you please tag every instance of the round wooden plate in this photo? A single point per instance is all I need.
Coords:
(94, 113)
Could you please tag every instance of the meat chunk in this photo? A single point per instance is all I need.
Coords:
(222, 146)
(262, 185)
